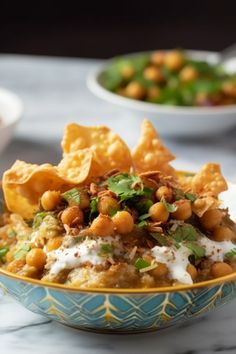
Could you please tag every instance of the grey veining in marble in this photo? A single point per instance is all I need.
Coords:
(54, 93)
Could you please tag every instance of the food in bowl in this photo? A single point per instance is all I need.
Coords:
(170, 78)
(108, 217)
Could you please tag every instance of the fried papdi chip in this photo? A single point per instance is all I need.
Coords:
(23, 184)
(209, 181)
(150, 154)
(201, 205)
(109, 150)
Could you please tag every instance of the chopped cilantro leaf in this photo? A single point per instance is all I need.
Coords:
(184, 233)
(93, 208)
(143, 205)
(198, 251)
(190, 197)
(141, 263)
(144, 217)
(171, 208)
(142, 223)
(231, 253)
(3, 252)
(72, 196)
(105, 250)
(112, 211)
(22, 251)
(126, 186)
(161, 239)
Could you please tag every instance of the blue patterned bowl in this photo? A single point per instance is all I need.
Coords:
(123, 310)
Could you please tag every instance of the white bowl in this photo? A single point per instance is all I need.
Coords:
(171, 120)
(11, 110)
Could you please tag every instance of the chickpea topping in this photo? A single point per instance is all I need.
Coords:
(72, 216)
(160, 271)
(174, 60)
(102, 226)
(158, 58)
(191, 269)
(127, 72)
(84, 200)
(211, 219)
(107, 204)
(221, 269)
(188, 73)
(184, 210)
(36, 258)
(164, 192)
(229, 88)
(153, 92)
(153, 74)
(16, 265)
(222, 233)
(50, 200)
(54, 243)
(135, 90)
(158, 212)
(123, 222)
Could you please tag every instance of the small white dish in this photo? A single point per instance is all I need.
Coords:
(11, 110)
(172, 121)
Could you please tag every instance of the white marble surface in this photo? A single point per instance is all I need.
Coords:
(54, 92)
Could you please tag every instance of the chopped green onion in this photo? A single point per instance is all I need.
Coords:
(231, 253)
(171, 208)
(141, 263)
(72, 196)
(190, 197)
(105, 250)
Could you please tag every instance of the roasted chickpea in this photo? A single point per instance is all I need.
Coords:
(16, 265)
(211, 219)
(153, 74)
(221, 269)
(123, 222)
(188, 73)
(36, 258)
(72, 215)
(153, 92)
(135, 90)
(158, 58)
(107, 204)
(174, 60)
(158, 212)
(54, 243)
(160, 271)
(222, 233)
(84, 199)
(127, 72)
(191, 269)
(164, 192)
(50, 200)
(184, 210)
(102, 226)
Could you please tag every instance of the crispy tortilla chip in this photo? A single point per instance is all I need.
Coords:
(150, 154)
(109, 150)
(209, 181)
(23, 185)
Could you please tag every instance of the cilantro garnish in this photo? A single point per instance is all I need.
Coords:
(190, 197)
(141, 263)
(3, 252)
(93, 208)
(72, 196)
(112, 212)
(161, 239)
(144, 216)
(105, 250)
(22, 251)
(171, 208)
(184, 233)
(143, 205)
(198, 251)
(127, 186)
(231, 253)
(142, 223)
(11, 233)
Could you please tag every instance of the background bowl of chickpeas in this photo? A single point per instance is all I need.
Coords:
(183, 93)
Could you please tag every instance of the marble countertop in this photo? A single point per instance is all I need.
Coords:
(54, 93)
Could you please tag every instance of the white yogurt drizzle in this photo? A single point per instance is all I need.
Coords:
(176, 261)
(86, 251)
(216, 250)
